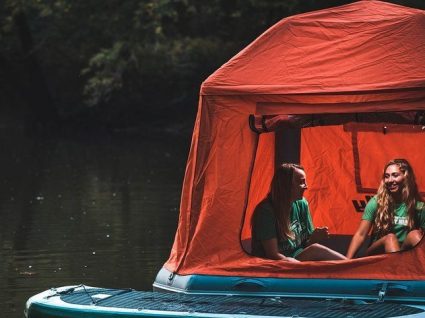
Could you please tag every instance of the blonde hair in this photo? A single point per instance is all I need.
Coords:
(386, 205)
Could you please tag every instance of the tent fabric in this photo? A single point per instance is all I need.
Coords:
(364, 46)
(364, 57)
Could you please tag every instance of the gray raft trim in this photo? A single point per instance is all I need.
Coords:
(236, 305)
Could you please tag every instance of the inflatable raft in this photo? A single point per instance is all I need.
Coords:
(91, 302)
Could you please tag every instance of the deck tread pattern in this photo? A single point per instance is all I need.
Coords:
(261, 306)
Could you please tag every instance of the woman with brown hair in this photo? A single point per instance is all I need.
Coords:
(281, 224)
(396, 215)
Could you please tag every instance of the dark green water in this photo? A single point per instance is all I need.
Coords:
(95, 210)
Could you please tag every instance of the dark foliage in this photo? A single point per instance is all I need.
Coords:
(118, 63)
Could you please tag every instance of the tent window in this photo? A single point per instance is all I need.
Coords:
(343, 164)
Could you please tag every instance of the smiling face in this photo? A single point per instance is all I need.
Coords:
(394, 179)
(299, 184)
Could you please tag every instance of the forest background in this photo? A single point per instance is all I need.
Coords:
(122, 65)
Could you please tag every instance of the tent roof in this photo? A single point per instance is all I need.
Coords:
(364, 46)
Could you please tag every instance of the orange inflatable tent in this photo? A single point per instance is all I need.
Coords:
(347, 86)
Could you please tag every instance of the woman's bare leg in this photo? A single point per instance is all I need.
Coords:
(386, 244)
(412, 238)
(318, 252)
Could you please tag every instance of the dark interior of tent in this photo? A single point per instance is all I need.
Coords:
(287, 131)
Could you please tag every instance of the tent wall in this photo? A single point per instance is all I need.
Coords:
(216, 184)
(229, 163)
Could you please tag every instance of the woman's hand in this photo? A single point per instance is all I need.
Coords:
(319, 234)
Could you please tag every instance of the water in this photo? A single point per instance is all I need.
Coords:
(101, 211)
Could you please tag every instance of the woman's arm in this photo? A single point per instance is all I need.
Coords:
(272, 252)
(359, 237)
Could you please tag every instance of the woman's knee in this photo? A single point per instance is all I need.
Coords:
(391, 237)
(316, 246)
(319, 248)
(322, 253)
(413, 237)
(391, 242)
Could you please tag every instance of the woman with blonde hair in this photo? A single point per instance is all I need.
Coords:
(395, 215)
(281, 225)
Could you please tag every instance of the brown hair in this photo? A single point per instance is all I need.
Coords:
(280, 197)
(386, 204)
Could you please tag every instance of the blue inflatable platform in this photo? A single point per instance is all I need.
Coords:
(91, 302)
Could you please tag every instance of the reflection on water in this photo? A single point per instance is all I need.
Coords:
(100, 211)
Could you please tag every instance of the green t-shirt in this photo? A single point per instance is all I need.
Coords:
(265, 228)
(399, 228)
